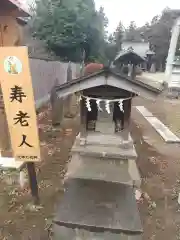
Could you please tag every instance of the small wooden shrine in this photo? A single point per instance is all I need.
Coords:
(127, 62)
(99, 200)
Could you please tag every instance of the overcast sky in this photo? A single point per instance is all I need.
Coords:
(139, 11)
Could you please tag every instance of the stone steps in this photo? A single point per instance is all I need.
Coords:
(99, 200)
(109, 170)
(63, 233)
(104, 151)
(94, 138)
(99, 206)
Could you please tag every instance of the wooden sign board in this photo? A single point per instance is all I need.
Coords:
(16, 84)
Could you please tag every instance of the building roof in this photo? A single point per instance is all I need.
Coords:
(19, 5)
(129, 55)
(108, 77)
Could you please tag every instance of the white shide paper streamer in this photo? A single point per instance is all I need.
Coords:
(107, 103)
(88, 104)
(98, 105)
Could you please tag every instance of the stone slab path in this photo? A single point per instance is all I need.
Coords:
(160, 128)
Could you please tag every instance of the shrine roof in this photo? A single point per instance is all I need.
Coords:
(21, 7)
(129, 55)
(108, 77)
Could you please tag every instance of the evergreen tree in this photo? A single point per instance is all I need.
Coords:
(67, 27)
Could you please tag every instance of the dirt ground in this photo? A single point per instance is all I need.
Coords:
(160, 170)
(18, 218)
(158, 163)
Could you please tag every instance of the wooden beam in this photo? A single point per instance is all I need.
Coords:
(129, 105)
(127, 117)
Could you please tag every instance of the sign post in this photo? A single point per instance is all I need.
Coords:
(20, 111)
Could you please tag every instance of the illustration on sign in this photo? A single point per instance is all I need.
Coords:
(12, 65)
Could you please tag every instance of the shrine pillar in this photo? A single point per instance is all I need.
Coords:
(83, 122)
(127, 119)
